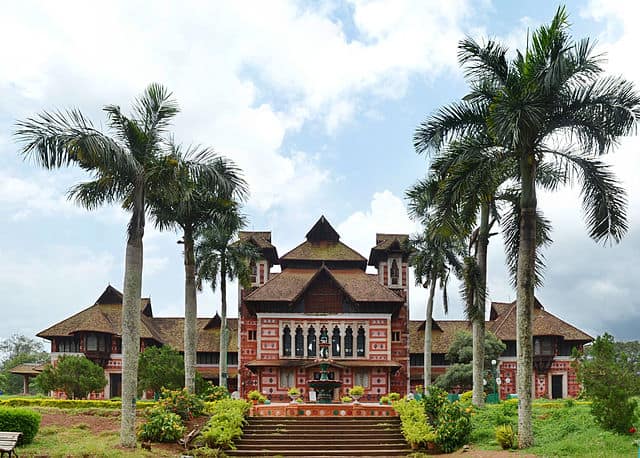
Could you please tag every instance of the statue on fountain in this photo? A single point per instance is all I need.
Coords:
(324, 386)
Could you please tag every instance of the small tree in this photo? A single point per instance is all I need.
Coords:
(76, 376)
(610, 381)
(460, 353)
(18, 349)
(160, 367)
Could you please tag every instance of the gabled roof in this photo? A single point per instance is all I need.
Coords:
(322, 245)
(544, 324)
(262, 240)
(385, 244)
(322, 231)
(291, 284)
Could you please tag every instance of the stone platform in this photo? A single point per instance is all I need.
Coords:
(322, 410)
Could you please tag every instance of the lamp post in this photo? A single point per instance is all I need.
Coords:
(494, 397)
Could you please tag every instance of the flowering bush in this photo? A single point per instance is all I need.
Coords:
(161, 426)
(182, 403)
(212, 392)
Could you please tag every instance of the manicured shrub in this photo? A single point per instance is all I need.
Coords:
(161, 426)
(506, 437)
(415, 428)
(433, 400)
(20, 420)
(346, 399)
(182, 403)
(293, 391)
(356, 390)
(394, 397)
(228, 416)
(69, 403)
(385, 400)
(254, 395)
(76, 376)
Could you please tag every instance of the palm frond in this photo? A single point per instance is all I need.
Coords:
(604, 201)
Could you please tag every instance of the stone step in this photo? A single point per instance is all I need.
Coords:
(308, 441)
(325, 420)
(295, 446)
(393, 452)
(331, 432)
(387, 435)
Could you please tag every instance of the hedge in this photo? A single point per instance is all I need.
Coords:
(68, 403)
(20, 420)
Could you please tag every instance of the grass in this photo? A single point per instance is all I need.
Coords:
(56, 441)
(559, 430)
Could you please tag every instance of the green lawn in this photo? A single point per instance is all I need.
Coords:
(560, 430)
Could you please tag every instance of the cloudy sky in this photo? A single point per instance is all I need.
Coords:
(316, 101)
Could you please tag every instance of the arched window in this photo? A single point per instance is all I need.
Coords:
(299, 342)
(395, 273)
(311, 342)
(335, 342)
(348, 342)
(286, 341)
(360, 341)
(254, 272)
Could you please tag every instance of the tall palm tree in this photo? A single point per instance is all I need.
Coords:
(124, 167)
(472, 178)
(190, 211)
(548, 105)
(433, 258)
(218, 257)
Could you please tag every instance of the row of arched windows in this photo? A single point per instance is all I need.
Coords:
(340, 346)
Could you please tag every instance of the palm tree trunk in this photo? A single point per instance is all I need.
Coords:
(224, 335)
(190, 311)
(525, 299)
(478, 326)
(131, 322)
(427, 334)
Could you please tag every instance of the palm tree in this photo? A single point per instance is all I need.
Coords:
(189, 211)
(433, 258)
(124, 168)
(547, 106)
(219, 257)
(471, 185)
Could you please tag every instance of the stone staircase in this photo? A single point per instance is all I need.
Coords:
(322, 436)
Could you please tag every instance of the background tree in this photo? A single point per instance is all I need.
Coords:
(219, 258)
(548, 106)
(189, 210)
(16, 350)
(124, 167)
(76, 376)
(610, 379)
(460, 354)
(433, 258)
(160, 367)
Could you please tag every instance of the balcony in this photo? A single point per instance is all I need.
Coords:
(99, 357)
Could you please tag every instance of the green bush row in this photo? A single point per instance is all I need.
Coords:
(415, 428)
(228, 416)
(68, 403)
(20, 420)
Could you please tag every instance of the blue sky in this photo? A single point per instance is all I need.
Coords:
(317, 102)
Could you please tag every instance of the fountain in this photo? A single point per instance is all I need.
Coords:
(324, 386)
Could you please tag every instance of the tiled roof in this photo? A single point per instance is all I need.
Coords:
(28, 369)
(285, 287)
(323, 251)
(291, 283)
(171, 332)
(107, 318)
(262, 240)
(440, 339)
(504, 327)
(385, 243)
(544, 324)
(362, 287)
